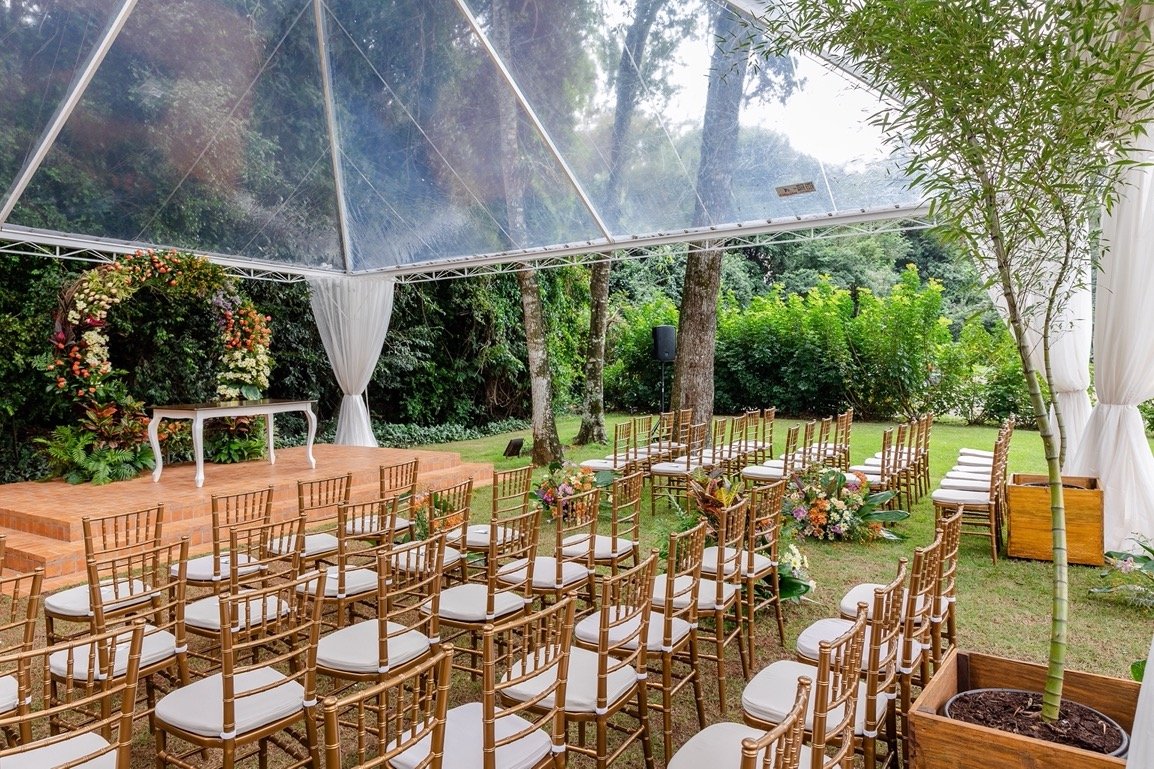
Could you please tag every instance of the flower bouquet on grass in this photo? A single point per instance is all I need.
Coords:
(430, 514)
(563, 480)
(793, 580)
(824, 503)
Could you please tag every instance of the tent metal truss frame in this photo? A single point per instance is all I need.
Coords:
(28, 242)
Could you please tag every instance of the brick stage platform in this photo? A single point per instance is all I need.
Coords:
(42, 520)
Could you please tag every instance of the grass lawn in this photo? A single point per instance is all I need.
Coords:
(1003, 609)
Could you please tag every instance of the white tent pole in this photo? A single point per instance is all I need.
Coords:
(64, 111)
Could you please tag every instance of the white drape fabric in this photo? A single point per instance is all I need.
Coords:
(352, 314)
(1141, 753)
(1114, 446)
(1070, 334)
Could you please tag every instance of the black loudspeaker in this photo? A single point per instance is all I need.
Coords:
(665, 343)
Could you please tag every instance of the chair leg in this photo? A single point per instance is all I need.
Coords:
(643, 717)
(667, 703)
(697, 694)
(719, 641)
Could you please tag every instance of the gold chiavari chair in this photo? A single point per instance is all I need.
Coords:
(623, 542)
(266, 685)
(104, 536)
(400, 480)
(671, 479)
(317, 500)
(375, 727)
(782, 468)
(19, 610)
(624, 451)
(510, 498)
(53, 734)
(762, 590)
(727, 745)
(228, 512)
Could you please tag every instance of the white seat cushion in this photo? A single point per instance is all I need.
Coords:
(677, 467)
(762, 473)
(464, 743)
(477, 536)
(680, 585)
(414, 560)
(605, 548)
(581, 690)
(707, 599)
(199, 707)
(966, 459)
(860, 593)
(965, 473)
(601, 465)
(355, 649)
(62, 753)
(205, 613)
(769, 696)
(588, 629)
(315, 545)
(960, 484)
(956, 497)
(156, 646)
(74, 602)
(718, 746)
(761, 563)
(827, 630)
(201, 569)
(544, 573)
(9, 693)
(357, 582)
(468, 603)
(976, 453)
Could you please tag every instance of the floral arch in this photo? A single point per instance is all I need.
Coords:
(109, 441)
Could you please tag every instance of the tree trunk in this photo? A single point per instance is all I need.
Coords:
(546, 444)
(593, 413)
(697, 323)
(628, 87)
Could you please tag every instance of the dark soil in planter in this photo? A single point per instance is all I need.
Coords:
(1020, 712)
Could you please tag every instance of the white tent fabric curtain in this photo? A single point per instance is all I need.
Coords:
(352, 314)
(1114, 447)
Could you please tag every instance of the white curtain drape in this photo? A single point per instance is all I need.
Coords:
(1070, 335)
(352, 314)
(1141, 755)
(1114, 447)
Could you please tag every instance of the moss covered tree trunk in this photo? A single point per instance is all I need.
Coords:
(593, 408)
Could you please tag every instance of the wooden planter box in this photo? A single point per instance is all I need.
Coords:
(938, 742)
(1028, 519)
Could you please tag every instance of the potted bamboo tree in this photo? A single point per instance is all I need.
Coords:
(1016, 117)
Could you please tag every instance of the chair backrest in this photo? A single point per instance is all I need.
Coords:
(624, 447)
(535, 645)
(266, 553)
(448, 509)
(149, 583)
(511, 490)
(821, 448)
(230, 511)
(375, 519)
(682, 577)
(625, 506)
(789, 459)
(919, 604)
(276, 626)
(732, 538)
(947, 587)
(805, 445)
(886, 466)
(575, 526)
(319, 499)
(682, 419)
(109, 534)
(764, 525)
(835, 694)
(55, 683)
(400, 479)
(373, 726)
(780, 747)
(20, 608)
(643, 432)
(512, 541)
(402, 591)
(695, 444)
(623, 625)
(880, 655)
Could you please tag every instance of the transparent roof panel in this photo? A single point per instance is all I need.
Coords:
(210, 125)
(204, 128)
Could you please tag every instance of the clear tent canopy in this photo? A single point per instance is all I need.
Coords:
(299, 138)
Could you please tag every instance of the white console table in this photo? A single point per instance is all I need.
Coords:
(199, 412)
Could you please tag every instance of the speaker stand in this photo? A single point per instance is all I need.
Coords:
(662, 386)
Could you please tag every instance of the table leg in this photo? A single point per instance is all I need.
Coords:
(198, 448)
(311, 418)
(154, 439)
(268, 429)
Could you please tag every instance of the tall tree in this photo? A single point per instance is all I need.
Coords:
(697, 323)
(546, 443)
(628, 82)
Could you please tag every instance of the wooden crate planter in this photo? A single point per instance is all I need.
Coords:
(1028, 519)
(938, 742)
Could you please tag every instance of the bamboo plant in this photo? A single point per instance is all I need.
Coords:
(1016, 118)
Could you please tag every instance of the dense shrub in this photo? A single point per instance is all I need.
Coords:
(632, 376)
(979, 377)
